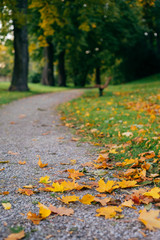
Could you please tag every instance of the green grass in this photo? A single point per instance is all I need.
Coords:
(104, 121)
(7, 97)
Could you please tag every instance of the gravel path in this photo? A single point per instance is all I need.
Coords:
(31, 127)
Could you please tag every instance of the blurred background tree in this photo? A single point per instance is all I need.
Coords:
(80, 42)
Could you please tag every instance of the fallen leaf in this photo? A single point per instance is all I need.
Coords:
(43, 210)
(12, 122)
(22, 163)
(73, 161)
(127, 134)
(150, 219)
(16, 236)
(21, 116)
(106, 187)
(103, 202)
(34, 217)
(44, 179)
(27, 192)
(46, 133)
(28, 186)
(6, 206)
(154, 193)
(87, 199)
(75, 139)
(61, 210)
(108, 212)
(127, 184)
(41, 165)
(128, 203)
(57, 187)
(68, 199)
(4, 162)
(74, 174)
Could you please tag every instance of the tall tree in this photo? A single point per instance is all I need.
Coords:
(21, 59)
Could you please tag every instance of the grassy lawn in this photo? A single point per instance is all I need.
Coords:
(125, 121)
(6, 96)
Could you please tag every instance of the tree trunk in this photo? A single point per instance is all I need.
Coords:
(47, 75)
(21, 58)
(61, 69)
(98, 76)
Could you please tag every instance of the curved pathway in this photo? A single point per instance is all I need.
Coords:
(31, 127)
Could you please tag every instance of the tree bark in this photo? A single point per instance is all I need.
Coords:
(21, 57)
(47, 75)
(98, 76)
(61, 69)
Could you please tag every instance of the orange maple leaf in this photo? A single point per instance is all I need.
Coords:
(74, 174)
(41, 165)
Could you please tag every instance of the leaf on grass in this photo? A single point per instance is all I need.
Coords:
(74, 174)
(61, 210)
(147, 155)
(34, 217)
(87, 199)
(127, 184)
(68, 199)
(41, 165)
(154, 193)
(44, 179)
(106, 187)
(127, 134)
(22, 163)
(7, 206)
(43, 210)
(150, 219)
(16, 236)
(128, 203)
(108, 212)
(1, 169)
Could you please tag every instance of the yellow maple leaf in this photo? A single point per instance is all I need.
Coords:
(128, 203)
(87, 199)
(154, 193)
(44, 179)
(108, 212)
(41, 165)
(43, 210)
(150, 219)
(68, 199)
(57, 187)
(113, 151)
(6, 206)
(106, 187)
(68, 186)
(127, 184)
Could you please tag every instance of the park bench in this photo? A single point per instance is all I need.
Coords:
(102, 87)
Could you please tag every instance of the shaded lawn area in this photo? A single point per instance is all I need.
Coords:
(7, 97)
(125, 122)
